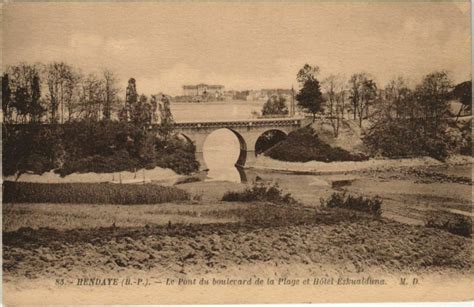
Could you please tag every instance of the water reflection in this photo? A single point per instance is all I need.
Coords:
(221, 152)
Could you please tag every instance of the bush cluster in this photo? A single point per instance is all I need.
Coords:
(372, 206)
(398, 138)
(90, 146)
(90, 193)
(261, 192)
(303, 145)
(452, 222)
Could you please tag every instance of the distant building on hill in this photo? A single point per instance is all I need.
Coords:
(276, 91)
(203, 90)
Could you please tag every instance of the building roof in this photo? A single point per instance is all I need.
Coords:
(193, 87)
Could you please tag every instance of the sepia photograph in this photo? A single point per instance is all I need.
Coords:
(236, 152)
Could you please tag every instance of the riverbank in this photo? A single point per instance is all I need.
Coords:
(157, 175)
(317, 168)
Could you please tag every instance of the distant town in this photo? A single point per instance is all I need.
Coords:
(215, 92)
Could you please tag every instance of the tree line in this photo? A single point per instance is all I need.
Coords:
(401, 119)
(57, 93)
(92, 129)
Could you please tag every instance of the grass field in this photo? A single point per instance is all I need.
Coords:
(90, 193)
(74, 216)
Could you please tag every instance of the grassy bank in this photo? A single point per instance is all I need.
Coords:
(90, 193)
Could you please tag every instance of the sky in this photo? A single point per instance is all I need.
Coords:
(241, 45)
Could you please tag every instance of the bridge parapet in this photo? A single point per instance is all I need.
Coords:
(270, 122)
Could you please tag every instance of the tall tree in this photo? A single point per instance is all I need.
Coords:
(61, 80)
(363, 92)
(110, 93)
(398, 97)
(354, 88)
(92, 97)
(432, 96)
(36, 110)
(310, 97)
(334, 88)
(307, 72)
(6, 98)
(368, 95)
(23, 89)
(166, 118)
(131, 97)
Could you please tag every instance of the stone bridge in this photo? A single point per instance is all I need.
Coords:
(247, 132)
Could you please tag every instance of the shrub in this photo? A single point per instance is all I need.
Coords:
(262, 193)
(452, 222)
(396, 138)
(31, 147)
(372, 206)
(303, 145)
(90, 193)
(117, 162)
(176, 154)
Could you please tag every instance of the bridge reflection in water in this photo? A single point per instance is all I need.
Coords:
(221, 152)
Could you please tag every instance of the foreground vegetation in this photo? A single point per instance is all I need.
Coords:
(261, 193)
(452, 222)
(372, 206)
(90, 193)
(263, 234)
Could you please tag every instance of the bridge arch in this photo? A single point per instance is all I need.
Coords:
(242, 144)
(269, 138)
(184, 137)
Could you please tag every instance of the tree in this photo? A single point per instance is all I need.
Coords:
(6, 99)
(110, 93)
(91, 97)
(368, 95)
(140, 113)
(306, 73)
(275, 105)
(61, 80)
(22, 88)
(166, 118)
(35, 109)
(363, 92)
(354, 90)
(397, 98)
(131, 98)
(335, 99)
(432, 96)
(413, 123)
(310, 97)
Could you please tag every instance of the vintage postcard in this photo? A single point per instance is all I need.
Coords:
(211, 152)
